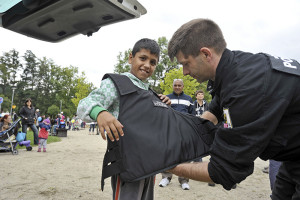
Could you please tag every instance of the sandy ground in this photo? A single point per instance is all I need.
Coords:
(71, 169)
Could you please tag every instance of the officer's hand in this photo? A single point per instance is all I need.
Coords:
(107, 122)
(165, 99)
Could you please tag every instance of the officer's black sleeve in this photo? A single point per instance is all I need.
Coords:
(255, 110)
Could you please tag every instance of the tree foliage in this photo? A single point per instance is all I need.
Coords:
(51, 87)
(82, 89)
(52, 111)
(5, 104)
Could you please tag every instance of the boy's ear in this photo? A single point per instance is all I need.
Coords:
(130, 58)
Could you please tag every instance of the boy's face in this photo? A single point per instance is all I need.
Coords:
(200, 96)
(143, 64)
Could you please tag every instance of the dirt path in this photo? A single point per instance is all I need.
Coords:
(71, 169)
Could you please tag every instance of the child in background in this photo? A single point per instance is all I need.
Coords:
(43, 134)
(102, 105)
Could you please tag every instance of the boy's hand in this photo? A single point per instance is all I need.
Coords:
(107, 122)
(165, 99)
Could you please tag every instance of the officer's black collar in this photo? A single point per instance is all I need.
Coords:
(225, 60)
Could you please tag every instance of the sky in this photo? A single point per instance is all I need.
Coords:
(254, 26)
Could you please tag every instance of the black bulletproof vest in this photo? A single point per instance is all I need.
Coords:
(156, 137)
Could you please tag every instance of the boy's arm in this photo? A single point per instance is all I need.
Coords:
(97, 101)
(94, 108)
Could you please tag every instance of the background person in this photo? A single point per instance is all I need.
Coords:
(45, 126)
(182, 103)
(27, 112)
(37, 115)
(92, 127)
(259, 97)
(5, 122)
(200, 105)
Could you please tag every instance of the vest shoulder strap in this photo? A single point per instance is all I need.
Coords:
(122, 83)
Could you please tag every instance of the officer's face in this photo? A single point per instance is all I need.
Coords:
(143, 64)
(196, 67)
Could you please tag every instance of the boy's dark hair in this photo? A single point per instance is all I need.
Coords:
(194, 35)
(148, 44)
(199, 91)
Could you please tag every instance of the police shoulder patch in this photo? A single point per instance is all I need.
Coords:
(285, 65)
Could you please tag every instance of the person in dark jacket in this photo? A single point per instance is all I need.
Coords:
(27, 112)
(180, 101)
(184, 104)
(258, 96)
(200, 105)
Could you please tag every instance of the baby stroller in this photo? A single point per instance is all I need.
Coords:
(61, 123)
(8, 142)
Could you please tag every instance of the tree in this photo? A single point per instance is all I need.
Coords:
(122, 65)
(40, 79)
(5, 106)
(83, 89)
(9, 67)
(164, 65)
(53, 110)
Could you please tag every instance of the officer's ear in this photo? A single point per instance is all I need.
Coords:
(206, 53)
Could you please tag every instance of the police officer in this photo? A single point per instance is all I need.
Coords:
(258, 97)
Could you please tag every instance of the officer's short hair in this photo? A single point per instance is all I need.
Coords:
(194, 35)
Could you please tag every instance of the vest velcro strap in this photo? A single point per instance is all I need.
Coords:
(110, 170)
(112, 162)
(111, 156)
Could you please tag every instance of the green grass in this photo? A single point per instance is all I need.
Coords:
(30, 137)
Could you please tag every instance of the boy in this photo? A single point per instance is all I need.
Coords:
(102, 105)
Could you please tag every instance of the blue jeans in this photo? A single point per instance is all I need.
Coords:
(34, 129)
(273, 170)
(92, 126)
(54, 129)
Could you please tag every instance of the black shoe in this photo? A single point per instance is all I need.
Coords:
(211, 184)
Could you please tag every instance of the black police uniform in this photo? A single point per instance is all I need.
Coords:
(259, 96)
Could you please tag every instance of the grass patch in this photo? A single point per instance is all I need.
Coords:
(29, 136)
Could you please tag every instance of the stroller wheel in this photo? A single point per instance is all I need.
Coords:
(29, 148)
(15, 152)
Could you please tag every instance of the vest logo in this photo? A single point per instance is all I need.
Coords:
(159, 104)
